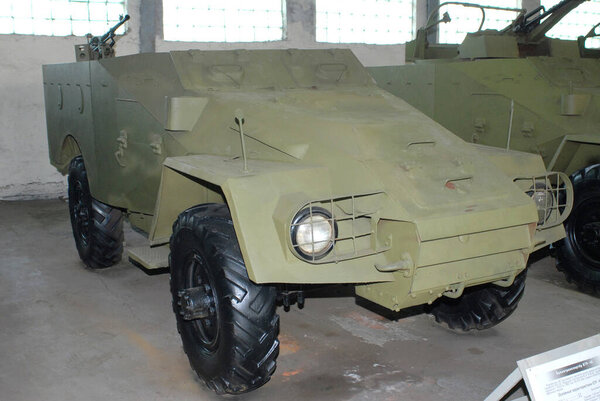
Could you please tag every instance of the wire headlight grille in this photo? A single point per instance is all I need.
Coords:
(336, 229)
(553, 197)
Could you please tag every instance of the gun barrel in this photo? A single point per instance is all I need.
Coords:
(111, 31)
(544, 21)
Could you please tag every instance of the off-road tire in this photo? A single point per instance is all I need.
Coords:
(97, 227)
(233, 349)
(578, 254)
(480, 307)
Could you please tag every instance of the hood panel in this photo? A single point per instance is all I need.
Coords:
(370, 142)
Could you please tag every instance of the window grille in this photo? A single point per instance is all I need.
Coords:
(60, 17)
(465, 20)
(577, 23)
(223, 20)
(365, 21)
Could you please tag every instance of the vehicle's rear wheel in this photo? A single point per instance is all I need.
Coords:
(227, 324)
(97, 227)
(479, 307)
(578, 255)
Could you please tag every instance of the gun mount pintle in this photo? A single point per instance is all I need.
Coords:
(100, 46)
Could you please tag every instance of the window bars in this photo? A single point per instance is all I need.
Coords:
(465, 20)
(365, 21)
(59, 17)
(223, 20)
(577, 23)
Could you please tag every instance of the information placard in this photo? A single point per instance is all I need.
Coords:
(567, 373)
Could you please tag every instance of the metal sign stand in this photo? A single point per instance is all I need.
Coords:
(504, 388)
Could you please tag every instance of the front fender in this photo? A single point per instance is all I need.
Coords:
(258, 200)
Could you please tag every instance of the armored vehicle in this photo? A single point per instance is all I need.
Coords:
(519, 89)
(254, 173)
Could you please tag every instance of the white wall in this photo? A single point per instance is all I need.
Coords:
(24, 167)
(25, 170)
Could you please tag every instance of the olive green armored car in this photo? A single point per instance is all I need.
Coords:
(519, 89)
(256, 173)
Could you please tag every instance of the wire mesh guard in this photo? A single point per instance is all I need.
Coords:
(553, 197)
(352, 221)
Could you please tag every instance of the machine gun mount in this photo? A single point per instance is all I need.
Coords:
(99, 46)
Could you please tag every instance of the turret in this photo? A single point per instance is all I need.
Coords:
(99, 46)
(525, 36)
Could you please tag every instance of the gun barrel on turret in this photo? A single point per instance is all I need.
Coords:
(111, 32)
(536, 27)
(100, 46)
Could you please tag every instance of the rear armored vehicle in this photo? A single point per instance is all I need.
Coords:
(256, 173)
(517, 88)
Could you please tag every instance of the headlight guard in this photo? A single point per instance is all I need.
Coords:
(346, 226)
(553, 197)
(313, 232)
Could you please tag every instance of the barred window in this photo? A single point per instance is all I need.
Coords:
(365, 21)
(223, 20)
(468, 19)
(60, 17)
(577, 23)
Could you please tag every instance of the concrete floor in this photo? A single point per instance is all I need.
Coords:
(68, 333)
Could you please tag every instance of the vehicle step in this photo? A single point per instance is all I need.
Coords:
(150, 257)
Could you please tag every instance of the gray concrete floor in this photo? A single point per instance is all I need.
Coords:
(68, 333)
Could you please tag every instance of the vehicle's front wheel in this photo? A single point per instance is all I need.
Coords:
(479, 307)
(578, 255)
(97, 227)
(227, 324)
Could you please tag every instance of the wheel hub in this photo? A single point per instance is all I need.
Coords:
(196, 303)
(591, 233)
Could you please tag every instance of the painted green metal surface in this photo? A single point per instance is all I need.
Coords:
(160, 133)
(513, 89)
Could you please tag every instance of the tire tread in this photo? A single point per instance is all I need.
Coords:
(253, 329)
(576, 270)
(481, 307)
(106, 233)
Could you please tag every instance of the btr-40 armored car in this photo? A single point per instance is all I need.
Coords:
(255, 171)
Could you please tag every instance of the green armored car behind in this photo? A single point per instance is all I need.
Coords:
(519, 89)
(253, 172)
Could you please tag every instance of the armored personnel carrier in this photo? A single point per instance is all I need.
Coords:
(253, 172)
(518, 89)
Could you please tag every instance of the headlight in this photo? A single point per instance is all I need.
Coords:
(544, 200)
(313, 232)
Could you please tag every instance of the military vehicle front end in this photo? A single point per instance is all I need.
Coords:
(519, 89)
(250, 170)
